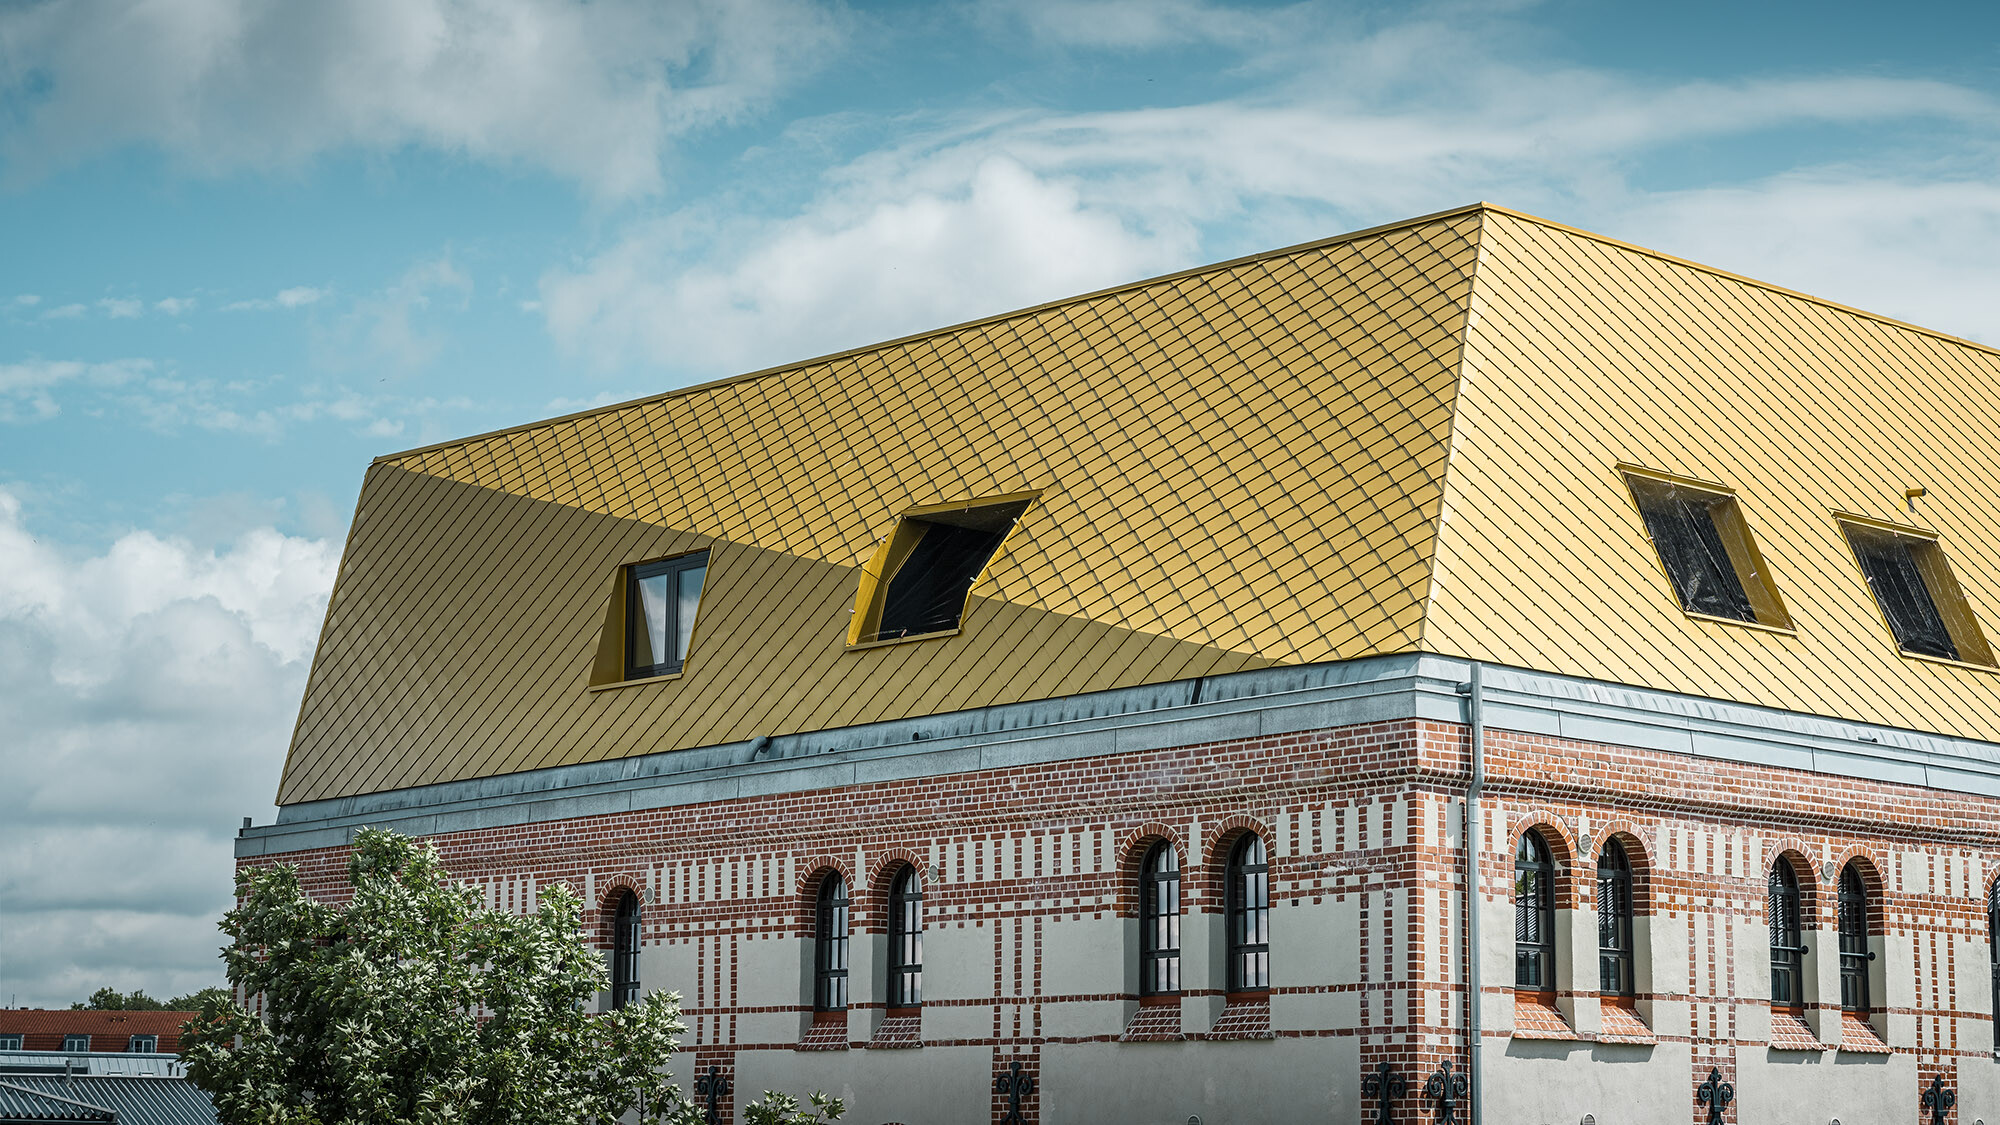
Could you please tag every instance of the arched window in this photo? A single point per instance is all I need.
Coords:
(1853, 941)
(1249, 911)
(1160, 922)
(1787, 945)
(830, 946)
(1534, 914)
(906, 939)
(625, 950)
(1993, 948)
(1614, 920)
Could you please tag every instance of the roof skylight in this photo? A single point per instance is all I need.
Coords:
(1706, 549)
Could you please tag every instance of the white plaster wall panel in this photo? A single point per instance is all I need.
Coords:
(958, 962)
(1259, 1082)
(1496, 965)
(1082, 1018)
(1309, 945)
(1804, 1088)
(932, 1086)
(772, 973)
(667, 968)
(1892, 983)
(1978, 1090)
(1532, 1081)
(1084, 957)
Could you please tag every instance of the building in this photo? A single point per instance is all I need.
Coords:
(1102, 712)
(88, 1031)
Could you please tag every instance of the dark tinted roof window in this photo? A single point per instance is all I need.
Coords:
(1887, 560)
(927, 593)
(1682, 524)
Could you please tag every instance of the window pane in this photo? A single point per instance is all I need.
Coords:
(649, 633)
(690, 599)
(1682, 524)
(1900, 591)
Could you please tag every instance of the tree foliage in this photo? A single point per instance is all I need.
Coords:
(112, 1000)
(413, 1004)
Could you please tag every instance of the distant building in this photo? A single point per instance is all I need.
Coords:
(86, 1031)
(1280, 691)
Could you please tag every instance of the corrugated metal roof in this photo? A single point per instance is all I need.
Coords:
(137, 1101)
(1401, 440)
(44, 1062)
(26, 1104)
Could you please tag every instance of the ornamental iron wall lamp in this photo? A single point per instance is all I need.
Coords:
(1939, 1099)
(1445, 1090)
(1715, 1094)
(1016, 1086)
(711, 1087)
(1385, 1086)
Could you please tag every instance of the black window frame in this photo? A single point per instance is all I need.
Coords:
(635, 617)
(1784, 907)
(627, 917)
(906, 938)
(10, 1041)
(1247, 910)
(70, 1038)
(1615, 966)
(143, 1045)
(831, 935)
(1855, 932)
(1534, 913)
(1160, 921)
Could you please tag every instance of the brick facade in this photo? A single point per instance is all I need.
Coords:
(1362, 823)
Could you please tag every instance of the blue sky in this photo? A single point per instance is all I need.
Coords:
(244, 247)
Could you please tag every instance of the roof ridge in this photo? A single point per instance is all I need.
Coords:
(995, 318)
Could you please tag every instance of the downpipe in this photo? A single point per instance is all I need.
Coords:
(1475, 701)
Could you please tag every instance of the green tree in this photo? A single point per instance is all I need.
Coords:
(112, 1000)
(413, 1004)
(192, 1002)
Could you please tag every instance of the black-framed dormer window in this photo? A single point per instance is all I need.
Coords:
(1787, 937)
(1248, 878)
(1853, 941)
(1534, 914)
(1614, 920)
(906, 939)
(625, 950)
(1160, 922)
(76, 1042)
(830, 945)
(660, 604)
(11, 1042)
(143, 1045)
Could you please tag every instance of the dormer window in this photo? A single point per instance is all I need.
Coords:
(1706, 549)
(919, 580)
(143, 1044)
(1913, 586)
(661, 600)
(11, 1042)
(76, 1044)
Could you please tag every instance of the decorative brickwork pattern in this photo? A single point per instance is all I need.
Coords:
(1154, 1023)
(1790, 1033)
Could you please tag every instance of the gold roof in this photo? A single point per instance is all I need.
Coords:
(1402, 439)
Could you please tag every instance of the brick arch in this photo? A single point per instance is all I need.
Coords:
(607, 904)
(1132, 856)
(869, 912)
(807, 892)
(1639, 853)
(1217, 853)
(1797, 852)
(1869, 865)
(1563, 850)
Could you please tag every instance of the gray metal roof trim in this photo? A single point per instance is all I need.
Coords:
(1279, 700)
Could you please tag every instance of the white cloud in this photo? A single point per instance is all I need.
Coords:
(1144, 25)
(122, 308)
(27, 300)
(175, 306)
(151, 690)
(27, 389)
(593, 92)
(969, 217)
(298, 296)
(65, 312)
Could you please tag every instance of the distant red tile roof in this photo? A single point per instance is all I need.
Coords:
(108, 1031)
